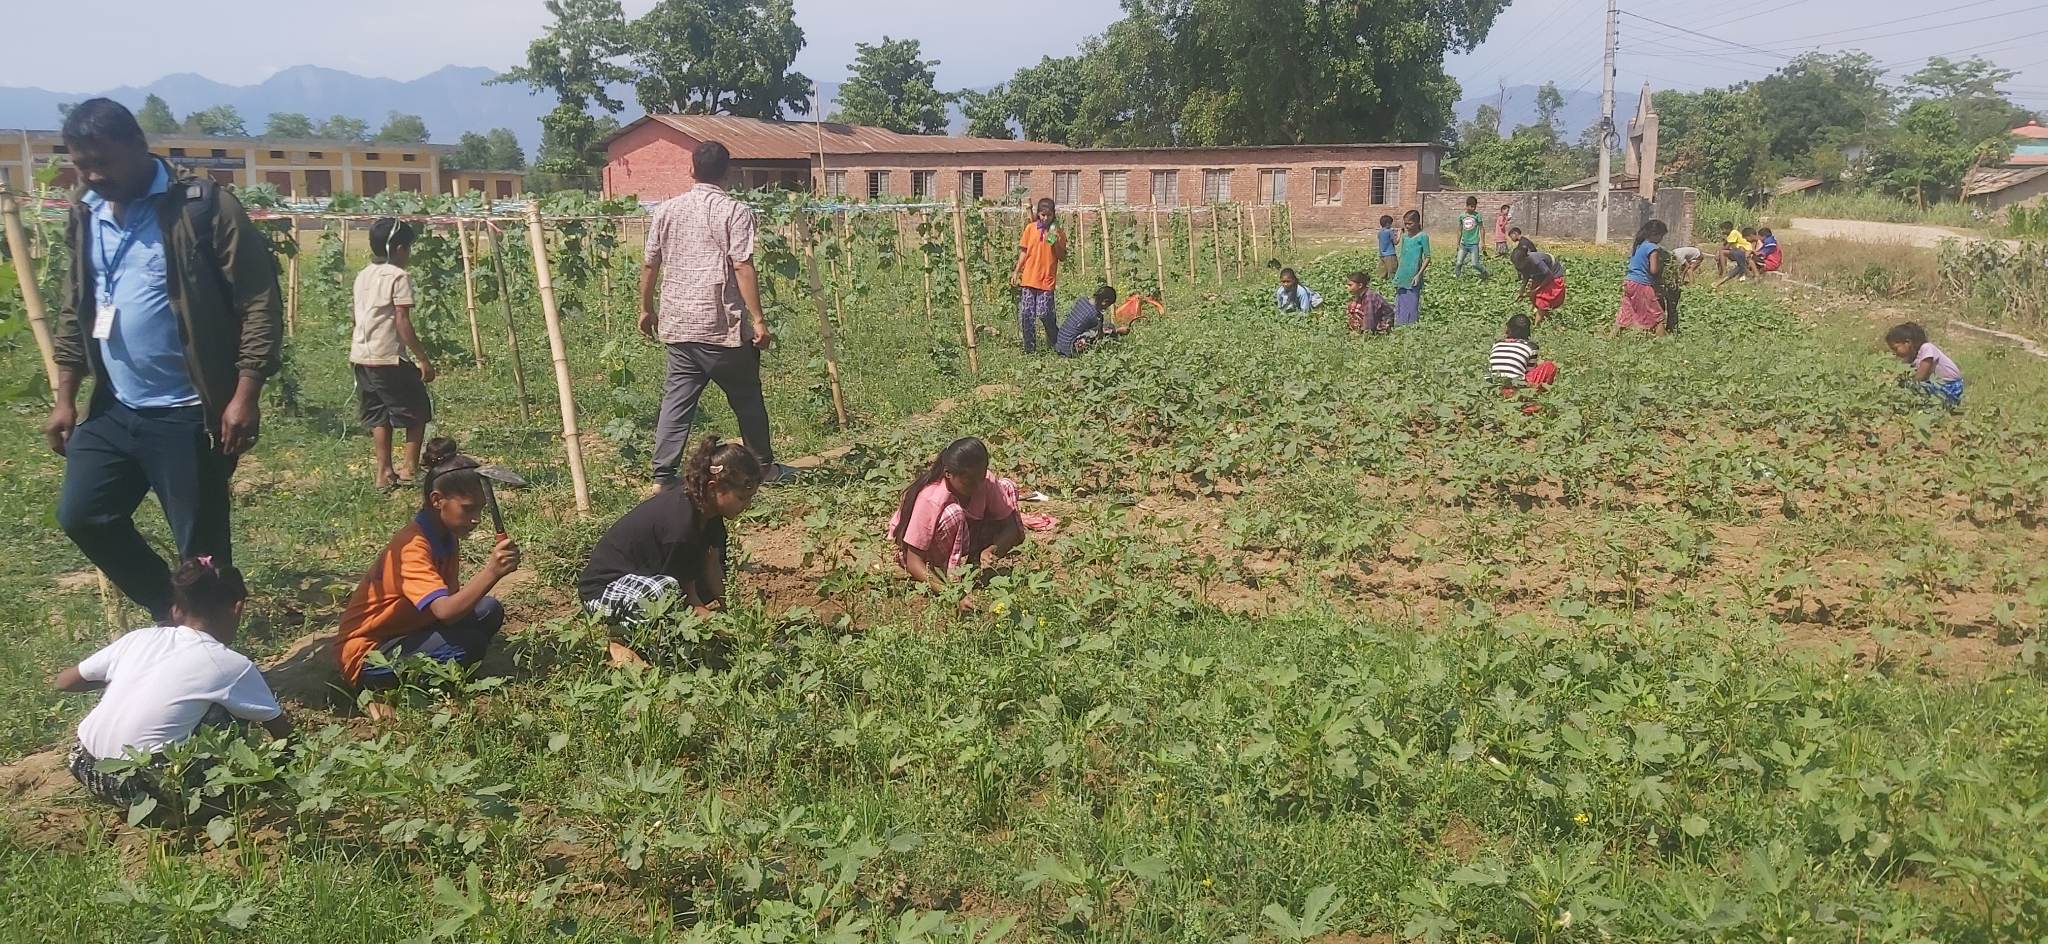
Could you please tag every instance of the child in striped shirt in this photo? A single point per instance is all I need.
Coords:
(1513, 359)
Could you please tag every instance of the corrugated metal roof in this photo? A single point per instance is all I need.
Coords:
(2031, 129)
(1987, 180)
(752, 139)
(1790, 185)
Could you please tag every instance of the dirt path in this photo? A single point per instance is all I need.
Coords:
(1866, 231)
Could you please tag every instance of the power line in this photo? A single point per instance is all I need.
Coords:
(1691, 32)
(1562, 36)
(1829, 34)
(1955, 52)
(1941, 26)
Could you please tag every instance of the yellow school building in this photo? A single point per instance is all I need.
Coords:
(303, 169)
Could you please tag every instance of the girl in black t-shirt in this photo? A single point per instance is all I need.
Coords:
(672, 545)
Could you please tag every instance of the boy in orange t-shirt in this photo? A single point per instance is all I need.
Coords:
(1040, 250)
(412, 601)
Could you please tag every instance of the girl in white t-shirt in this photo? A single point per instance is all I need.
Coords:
(1933, 371)
(163, 682)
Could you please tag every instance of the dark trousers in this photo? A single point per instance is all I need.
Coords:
(691, 365)
(464, 641)
(119, 455)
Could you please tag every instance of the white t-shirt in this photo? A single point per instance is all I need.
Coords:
(1686, 253)
(380, 288)
(160, 682)
(1945, 369)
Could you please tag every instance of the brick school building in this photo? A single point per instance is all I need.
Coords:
(1326, 187)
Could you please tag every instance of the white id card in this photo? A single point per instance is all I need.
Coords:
(103, 323)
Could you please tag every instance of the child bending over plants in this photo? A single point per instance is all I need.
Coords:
(165, 682)
(955, 514)
(1085, 325)
(1513, 359)
(672, 545)
(1934, 373)
(413, 602)
(1542, 276)
(1368, 310)
(391, 390)
(1294, 296)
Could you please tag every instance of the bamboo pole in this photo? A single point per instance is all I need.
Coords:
(966, 290)
(1158, 256)
(825, 334)
(1216, 240)
(924, 262)
(31, 294)
(476, 333)
(1108, 268)
(1290, 232)
(291, 284)
(1193, 277)
(1083, 219)
(560, 353)
(511, 324)
(1251, 233)
(1240, 239)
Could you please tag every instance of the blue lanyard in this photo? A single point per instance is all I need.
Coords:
(130, 232)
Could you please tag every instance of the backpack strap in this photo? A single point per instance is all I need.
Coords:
(202, 198)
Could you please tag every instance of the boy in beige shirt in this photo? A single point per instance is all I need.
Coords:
(390, 390)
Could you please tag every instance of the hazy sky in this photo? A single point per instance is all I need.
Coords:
(982, 43)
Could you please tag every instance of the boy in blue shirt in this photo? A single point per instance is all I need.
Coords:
(1389, 251)
(1085, 323)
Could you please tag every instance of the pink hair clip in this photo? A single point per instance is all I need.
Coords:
(205, 560)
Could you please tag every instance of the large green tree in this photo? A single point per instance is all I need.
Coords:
(1717, 140)
(155, 117)
(1927, 156)
(719, 57)
(287, 124)
(1219, 72)
(1970, 90)
(218, 121)
(400, 128)
(343, 128)
(578, 59)
(1519, 161)
(502, 150)
(891, 87)
(1815, 105)
(987, 112)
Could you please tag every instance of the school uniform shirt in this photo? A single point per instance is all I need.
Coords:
(160, 682)
(990, 503)
(1302, 298)
(1083, 318)
(423, 563)
(662, 536)
(1945, 369)
(380, 288)
(1510, 359)
(1041, 248)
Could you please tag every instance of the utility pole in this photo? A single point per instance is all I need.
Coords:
(1606, 184)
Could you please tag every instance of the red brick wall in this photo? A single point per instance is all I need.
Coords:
(651, 162)
(1355, 213)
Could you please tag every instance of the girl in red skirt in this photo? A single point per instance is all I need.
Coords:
(1542, 276)
(1640, 307)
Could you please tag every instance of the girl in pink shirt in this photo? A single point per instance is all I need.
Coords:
(955, 514)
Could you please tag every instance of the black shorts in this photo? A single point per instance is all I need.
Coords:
(392, 396)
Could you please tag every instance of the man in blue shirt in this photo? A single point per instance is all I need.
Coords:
(1085, 323)
(172, 308)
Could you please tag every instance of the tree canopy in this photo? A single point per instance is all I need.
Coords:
(155, 117)
(288, 124)
(891, 87)
(400, 128)
(221, 121)
(719, 57)
(496, 150)
(344, 128)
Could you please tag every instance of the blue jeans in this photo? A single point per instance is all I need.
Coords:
(1478, 261)
(121, 454)
(1034, 306)
(464, 641)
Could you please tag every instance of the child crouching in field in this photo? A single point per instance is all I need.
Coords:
(412, 602)
(1085, 324)
(1513, 359)
(165, 682)
(674, 544)
(1368, 310)
(955, 514)
(1291, 295)
(391, 391)
(1542, 276)
(1934, 373)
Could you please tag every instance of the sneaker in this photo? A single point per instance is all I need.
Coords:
(778, 474)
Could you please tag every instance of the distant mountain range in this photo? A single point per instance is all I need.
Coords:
(1581, 108)
(452, 100)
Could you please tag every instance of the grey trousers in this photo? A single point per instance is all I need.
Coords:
(691, 365)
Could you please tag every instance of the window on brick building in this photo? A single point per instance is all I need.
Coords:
(175, 152)
(923, 182)
(1066, 186)
(316, 155)
(1329, 186)
(878, 184)
(1386, 186)
(1215, 186)
(1116, 187)
(1166, 188)
(373, 156)
(835, 183)
(220, 152)
(1017, 184)
(408, 157)
(1273, 185)
(972, 183)
(277, 155)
